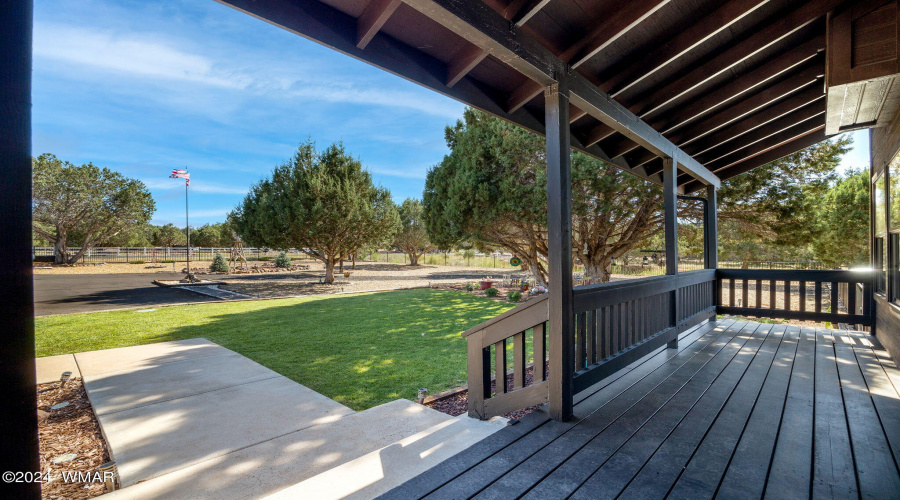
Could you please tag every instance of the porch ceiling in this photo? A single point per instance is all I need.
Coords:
(721, 87)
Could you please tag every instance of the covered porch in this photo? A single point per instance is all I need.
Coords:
(739, 410)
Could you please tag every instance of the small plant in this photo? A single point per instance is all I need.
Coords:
(491, 292)
(514, 296)
(219, 264)
(283, 260)
(167, 261)
(136, 262)
(265, 259)
(471, 287)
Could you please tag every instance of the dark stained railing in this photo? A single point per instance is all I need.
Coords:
(616, 324)
(800, 295)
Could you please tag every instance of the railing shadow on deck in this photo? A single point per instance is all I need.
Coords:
(618, 323)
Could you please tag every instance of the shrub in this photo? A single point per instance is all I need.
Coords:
(514, 296)
(219, 264)
(491, 292)
(283, 260)
(471, 287)
(136, 262)
(167, 261)
(264, 259)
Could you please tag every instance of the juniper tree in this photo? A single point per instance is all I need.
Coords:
(84, 204)
(323, 202)
(411, 236)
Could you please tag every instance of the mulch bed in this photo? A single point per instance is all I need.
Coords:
(458, 404)
(501, 296)
(73, 429)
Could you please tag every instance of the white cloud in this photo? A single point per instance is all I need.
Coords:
(149, 57)
(196, 186)
(393, 172)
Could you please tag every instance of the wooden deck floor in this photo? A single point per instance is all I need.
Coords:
(739, 410)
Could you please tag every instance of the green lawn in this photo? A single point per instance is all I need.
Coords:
(360, 350)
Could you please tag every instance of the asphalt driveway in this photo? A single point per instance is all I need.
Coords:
(76, 293)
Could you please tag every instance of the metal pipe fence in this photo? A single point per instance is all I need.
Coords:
(143, 255)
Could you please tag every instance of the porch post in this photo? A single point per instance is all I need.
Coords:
(18, 404)
(710, 224)
(559, 239)
(670, 193)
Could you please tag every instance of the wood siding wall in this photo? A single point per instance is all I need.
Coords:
(885, 144)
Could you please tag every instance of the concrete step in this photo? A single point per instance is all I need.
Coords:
(363, 453)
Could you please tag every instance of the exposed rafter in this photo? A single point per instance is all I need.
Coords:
(463, 63)
(520, 12)
(805, 78)
(681, 44)
(776, 31)
(782, 108)
(774, 68)
(613, 26)
(486, 28)
(760, 133)
(611, 29)
(771, 155)
(772, 141)
(376, 13)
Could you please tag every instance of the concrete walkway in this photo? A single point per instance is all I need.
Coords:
(191, 419)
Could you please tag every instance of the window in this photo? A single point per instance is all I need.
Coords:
(879, 197)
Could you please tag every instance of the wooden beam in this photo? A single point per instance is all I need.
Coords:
(598, 104)
(756, 102)
(520, 12)
(771, 155)
(773, 68)
(599, 133)
(376, 13)
(18, 404)
(806, 97)
(771, 142)
(681, 44)
(774, 127)
(559, 256)
(773, 33)
(620, 146)
(613, 26)
(464, 62)
(484, 27)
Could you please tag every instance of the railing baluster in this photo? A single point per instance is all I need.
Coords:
(580, 341)
(834, 297)
(803, 296)
(773, 303)
(540, 352)
(744, 294)
(851, 298)
(500, 367)
(818, 296)
(519, 360)
(732, 301)
(787, 295)
(759, 284)
(604, 333)
(591, 337)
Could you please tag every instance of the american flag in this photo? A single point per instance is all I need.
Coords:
(181, 174)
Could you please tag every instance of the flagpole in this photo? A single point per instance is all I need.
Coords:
(187, 223)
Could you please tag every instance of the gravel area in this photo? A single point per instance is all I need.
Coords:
(70, 430)
(368, 276)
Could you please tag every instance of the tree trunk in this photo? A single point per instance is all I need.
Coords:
(353, 266)
(329, 270)
(597, 270)
(60, 250)
(342, 266)
(413, 258)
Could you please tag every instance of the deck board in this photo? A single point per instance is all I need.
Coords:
(739, 410)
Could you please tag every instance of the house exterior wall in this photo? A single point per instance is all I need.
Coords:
(885, 149)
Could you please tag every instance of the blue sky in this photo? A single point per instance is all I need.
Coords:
(144, 87)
